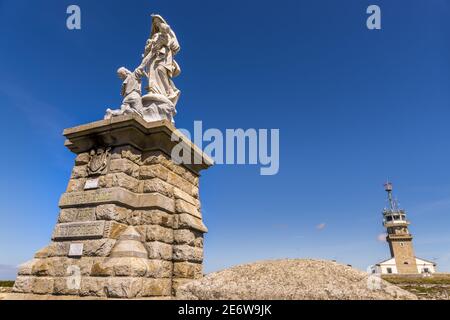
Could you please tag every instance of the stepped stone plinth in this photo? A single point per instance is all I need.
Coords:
(129, 224)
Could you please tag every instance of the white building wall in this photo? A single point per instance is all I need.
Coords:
(390, 267)
(425, 266)
(386, 267)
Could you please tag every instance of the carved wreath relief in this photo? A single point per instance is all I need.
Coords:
(99, 161)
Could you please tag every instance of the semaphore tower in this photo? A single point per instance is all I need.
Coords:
(398, 235)
(403, 259)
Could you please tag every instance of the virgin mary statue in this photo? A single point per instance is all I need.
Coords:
(160, 67)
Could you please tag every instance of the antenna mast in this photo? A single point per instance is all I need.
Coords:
(388, 188)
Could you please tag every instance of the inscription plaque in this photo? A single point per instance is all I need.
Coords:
(91, 184)
(79, 230)
(116, 195)
(76, 250)
(86, 197)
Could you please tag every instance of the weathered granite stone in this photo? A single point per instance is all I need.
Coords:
(156, 217)
(85, 264)
(127, 152)
(93, 286)
(159, 268)
(187, 253)
(154, 157)
(187, 221)
(199, 242)
(191, 177)
(43, 285)
(82, 159)
(76, 215)
(124, 166)
(122, 267)
(52, 267)
(102, 269)
(187, 270)
(186, 175)
(76, 185)
(182, 206)
(54, 249)
(123, 287)
(159, 250)
(112, 212)
(98, 248)
(178, 283)
(61, 287)
(156, 287)
(142, 230)
(180, 194)
(153, 171)
(195, 192)
(179, 170)
(182, 184)
(134, 218)
(157, 185)
(190, 237)
(132, 267)
(114, 229)
(119, 180)
(25, 269)
(159, 233)
(23, 284)
(129, 267)
(79, 172)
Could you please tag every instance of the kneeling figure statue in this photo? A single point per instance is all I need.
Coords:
(159, 66)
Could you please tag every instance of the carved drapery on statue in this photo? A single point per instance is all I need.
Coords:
(159, 66)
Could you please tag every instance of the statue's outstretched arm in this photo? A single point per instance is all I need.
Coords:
(139, 72)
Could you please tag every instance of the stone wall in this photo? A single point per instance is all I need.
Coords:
(138, 224)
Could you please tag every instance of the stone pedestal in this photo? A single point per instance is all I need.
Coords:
(129, 224)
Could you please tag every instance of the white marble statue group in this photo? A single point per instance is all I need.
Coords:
(159, 66)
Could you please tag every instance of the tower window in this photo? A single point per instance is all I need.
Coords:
(406, 262)
(401, 244)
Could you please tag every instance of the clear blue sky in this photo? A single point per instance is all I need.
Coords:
(353, 107)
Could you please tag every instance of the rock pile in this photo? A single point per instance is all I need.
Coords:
(292, 280)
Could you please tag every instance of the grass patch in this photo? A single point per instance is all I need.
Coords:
(7, 284)
(418, 280)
